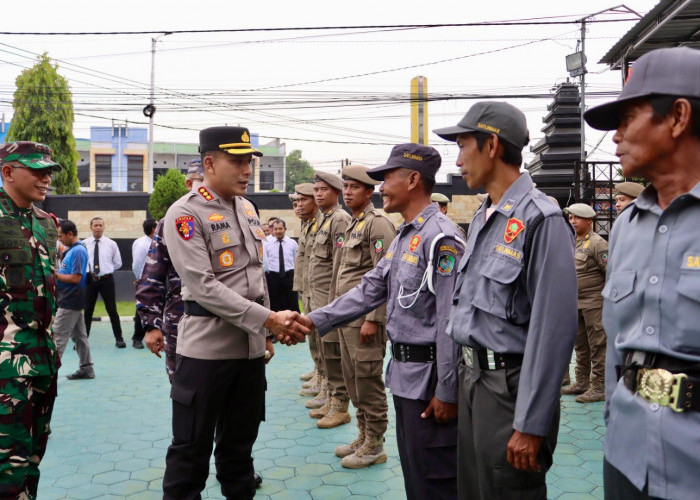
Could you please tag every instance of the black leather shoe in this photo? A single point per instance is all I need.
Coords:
(80, 374)
(258, 479)
(120, 343)
(137, 344)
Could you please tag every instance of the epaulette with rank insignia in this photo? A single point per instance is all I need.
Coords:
(205, 193)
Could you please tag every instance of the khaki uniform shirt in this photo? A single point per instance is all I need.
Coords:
(325, 252)
(591, 260)
(216, 248)
(299, 260)
(309, 234)
(366, 241)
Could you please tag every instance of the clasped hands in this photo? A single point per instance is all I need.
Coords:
(288, 327)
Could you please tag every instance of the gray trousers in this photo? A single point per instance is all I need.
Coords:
(486, 414)
(70, 324)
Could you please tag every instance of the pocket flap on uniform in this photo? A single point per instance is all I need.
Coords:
(619, 285)
(370, 354)
(183, 395)
(501, 270)
(689, 285)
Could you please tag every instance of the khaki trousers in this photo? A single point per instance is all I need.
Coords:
(313, 339)
(590, 347)
(363, 365)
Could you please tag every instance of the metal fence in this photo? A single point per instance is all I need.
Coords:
(594, 185)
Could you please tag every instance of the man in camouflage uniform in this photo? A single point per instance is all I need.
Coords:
(591, 260)
(158, 300)
(28, 360)
(363, 341)
(331, 223)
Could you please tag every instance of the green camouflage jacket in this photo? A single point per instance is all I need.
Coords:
(27, 290)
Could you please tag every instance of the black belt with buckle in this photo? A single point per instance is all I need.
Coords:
(662, 380)
(490, 360)
(192, 308)
(413, 353)
(103, 277)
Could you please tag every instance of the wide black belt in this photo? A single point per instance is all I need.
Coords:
(192, 308)
(662, 380)
(413, 353)
(487, 359)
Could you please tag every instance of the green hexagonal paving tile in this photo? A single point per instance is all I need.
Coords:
(328, 492)
(340, 478)
(376, 473)
(568, 460)
(291, 495)
(574, 485)
(131, 465)
(301, 451)
(126, 488)
(371, 488)
(280, 473)
(270, 486)
(314, 469)
(72, 481)
(303, 483)
(592, 454)
(111, 477)
(570, 471)
(567, 449)
(86, 491)
(291, 461)
(148, 474)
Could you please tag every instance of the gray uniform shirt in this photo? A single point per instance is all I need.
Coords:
(217, 251)
(652, 303)
(425, 321)
(503, 306)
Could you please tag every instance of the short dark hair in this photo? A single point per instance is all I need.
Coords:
(94, 219)
(662, 104)
(511, 154)
(427, 183)
(279, 221)
(271, 220)
(68, 226)
(149, 226)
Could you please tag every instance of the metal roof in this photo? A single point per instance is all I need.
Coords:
(669, 24)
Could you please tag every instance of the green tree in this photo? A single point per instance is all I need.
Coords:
(298, 170)
(43, 112)
(167, 189)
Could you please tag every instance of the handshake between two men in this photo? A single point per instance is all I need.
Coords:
(289, 327)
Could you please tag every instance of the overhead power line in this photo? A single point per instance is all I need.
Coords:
(319, 28)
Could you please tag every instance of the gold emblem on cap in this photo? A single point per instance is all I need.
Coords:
(245, 137)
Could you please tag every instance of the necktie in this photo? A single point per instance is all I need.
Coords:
(281, 258)
(96, 266)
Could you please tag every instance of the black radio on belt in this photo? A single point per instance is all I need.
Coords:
(192, 308)
(412, 353)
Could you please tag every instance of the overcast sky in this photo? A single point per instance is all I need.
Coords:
(309, 87)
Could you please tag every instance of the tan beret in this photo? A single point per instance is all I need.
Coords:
(307, 189)
(580, 210)
(632, 189)
(331, 179)
(358, 173)
(439, 198)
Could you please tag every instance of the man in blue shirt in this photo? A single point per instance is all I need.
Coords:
(71, 286)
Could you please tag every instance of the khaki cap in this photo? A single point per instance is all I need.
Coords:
(293, 196)
(331, 179)
(358, 173)
(307, 189)
(439, 198)
(580, 210)
(632, 189)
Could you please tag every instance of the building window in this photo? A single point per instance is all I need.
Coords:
(84, 173)
(267, 180)
(134, 172)
(103, 172)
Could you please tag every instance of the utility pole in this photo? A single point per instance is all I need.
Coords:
(583, 91)
(150, 110)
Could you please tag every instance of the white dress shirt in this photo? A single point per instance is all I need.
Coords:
(139, 251)
(272, 251)
(110, 258)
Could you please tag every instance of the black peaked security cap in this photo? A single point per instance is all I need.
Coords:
(491, 117)
(418, 157)
(232, 140)
(671, 71)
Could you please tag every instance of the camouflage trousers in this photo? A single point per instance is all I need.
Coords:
(26, 404)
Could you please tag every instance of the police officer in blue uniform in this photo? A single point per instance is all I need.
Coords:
(416, 280)
(651, 307)
(514, 312)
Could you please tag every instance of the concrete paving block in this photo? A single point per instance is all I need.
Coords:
(303, 482)
(369, 488)
(291, 461)
(111, 477)
(72, 480)
(132, 464)
(148, 474)
(574, 485)
(341, 478)
(328, 492)
(280, 473)
(86, 491)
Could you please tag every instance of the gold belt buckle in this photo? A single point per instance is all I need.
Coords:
(660, 386)
(468, 355)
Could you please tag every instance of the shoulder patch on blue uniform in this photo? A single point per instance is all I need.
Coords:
(445, 264)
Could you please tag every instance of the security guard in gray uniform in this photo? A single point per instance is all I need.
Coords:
(218, 388)
(651, 307)
(514, 312)
(363, 342)
(329, 235)
(416, 280)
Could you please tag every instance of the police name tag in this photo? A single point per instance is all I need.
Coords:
(509, 252)
(691, 261)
